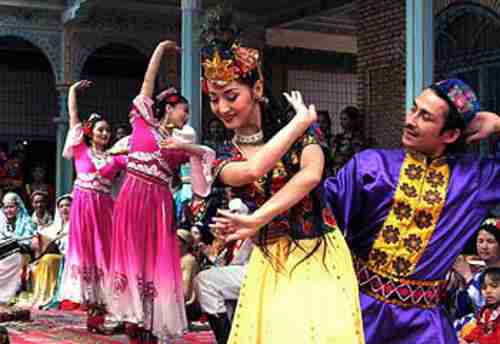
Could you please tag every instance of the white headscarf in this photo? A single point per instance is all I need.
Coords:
(24, 227)
(58, 228)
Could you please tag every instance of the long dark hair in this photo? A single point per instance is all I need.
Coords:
(275, 115)
(172, 99)
(89, 125)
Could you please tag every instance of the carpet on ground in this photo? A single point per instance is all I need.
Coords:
(57, 327)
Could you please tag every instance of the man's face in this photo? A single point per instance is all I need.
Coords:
(423, 124)
(39, 203)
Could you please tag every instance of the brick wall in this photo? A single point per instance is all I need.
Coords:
(381, 68)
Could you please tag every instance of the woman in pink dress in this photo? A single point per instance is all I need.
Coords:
(145, 264)
(88, 256)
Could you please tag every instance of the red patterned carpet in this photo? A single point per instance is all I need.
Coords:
(51, 327)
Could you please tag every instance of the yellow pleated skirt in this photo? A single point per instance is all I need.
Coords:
(44, 282)
(317, 302)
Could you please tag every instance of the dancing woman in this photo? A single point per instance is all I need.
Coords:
(300, 285)
(145, 265)
(88, 256)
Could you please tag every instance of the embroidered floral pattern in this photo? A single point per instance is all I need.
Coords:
(462, 98)
(401, 266)
(147, 289)
(378, 257)
(435, 178)
(308, 219)
(402, 210)
(93, 181)
(432, 197)
(391, 234)
(408, 228)
(413, 243)
(119, 283)
(91, 275)
(414, 172)
(423, 219)
(409, 190)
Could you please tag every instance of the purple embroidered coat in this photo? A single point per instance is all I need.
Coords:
(361, 196)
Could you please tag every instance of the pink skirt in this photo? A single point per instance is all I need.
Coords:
(89, 248)
(146, 278)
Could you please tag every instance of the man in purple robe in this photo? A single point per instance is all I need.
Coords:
(407, 213)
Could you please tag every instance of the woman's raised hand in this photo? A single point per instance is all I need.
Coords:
(170, 45)
(304, 114)
(81, 85)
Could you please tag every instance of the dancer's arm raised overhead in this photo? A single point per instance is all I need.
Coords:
(245, 172)
(148, 84)
(74, 117)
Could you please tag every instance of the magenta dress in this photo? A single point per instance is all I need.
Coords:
(89, 249)
(145, 263)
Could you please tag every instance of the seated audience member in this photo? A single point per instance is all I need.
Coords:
(325, 124)
(190, 269)
(17, 243)
(218, 286)
(469, 299)
(123, 130)
(47, 270)
(41, 216)
(39, 183)
(484, 328)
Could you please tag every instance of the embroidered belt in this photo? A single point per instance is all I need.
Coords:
(89, 187)
(402, 292)
(147, 178)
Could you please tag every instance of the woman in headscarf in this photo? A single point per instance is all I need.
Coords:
(53, 245)
(15, 224)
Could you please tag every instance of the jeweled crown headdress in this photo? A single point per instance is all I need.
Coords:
(223, 58)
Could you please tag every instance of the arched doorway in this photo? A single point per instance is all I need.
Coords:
(467, 47)
(28, 104)
(117, 71)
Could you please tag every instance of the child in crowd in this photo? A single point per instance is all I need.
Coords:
(485, 327)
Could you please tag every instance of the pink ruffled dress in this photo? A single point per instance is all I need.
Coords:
(145, 265)
(89, 248)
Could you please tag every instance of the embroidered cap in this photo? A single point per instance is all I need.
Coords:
(459, 96)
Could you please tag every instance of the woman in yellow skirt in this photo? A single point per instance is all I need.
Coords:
(300, 285)
(47, 270)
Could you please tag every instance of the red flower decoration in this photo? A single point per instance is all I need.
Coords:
(173, 99)
(87, 129)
